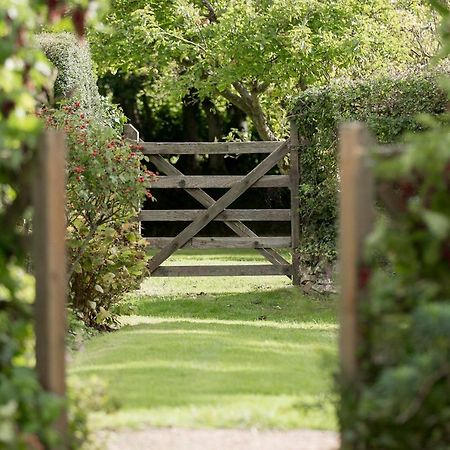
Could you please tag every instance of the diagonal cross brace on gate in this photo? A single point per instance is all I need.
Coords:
(216, 210)
(206, 200)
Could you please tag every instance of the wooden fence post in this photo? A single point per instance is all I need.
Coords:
(356, 219)
(49, 234)
(129, 132)
(294, 174)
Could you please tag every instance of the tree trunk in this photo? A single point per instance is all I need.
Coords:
(191, 110)
(215, 131)
(249, 103)
(260, 121)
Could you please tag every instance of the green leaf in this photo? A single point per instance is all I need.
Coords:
(98, 288)
(437, 223)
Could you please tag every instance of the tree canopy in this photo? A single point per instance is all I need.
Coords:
(252, 52)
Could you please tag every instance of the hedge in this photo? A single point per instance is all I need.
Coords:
(389, 105)
(76, 78)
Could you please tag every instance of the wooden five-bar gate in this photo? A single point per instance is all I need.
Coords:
(216, 210)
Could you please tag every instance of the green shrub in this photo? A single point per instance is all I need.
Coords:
(86, 397)
(113, 264)
(401, 399)
(390, 106)
(106, 183)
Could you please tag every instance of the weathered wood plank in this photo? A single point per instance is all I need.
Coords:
(49, 230)
(295, 200)
(238, 189)
(206, 200)
(130, 132)
(216, 181)
(226, 242)
(224, 271)
(210, 148)
(356, 219)
(262, 215)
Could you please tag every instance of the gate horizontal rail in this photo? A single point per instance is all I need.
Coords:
(224, 271)
(246, 215)
(226, 242)
(208, 148)
(217, 181)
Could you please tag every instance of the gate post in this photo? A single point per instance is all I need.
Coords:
(294, 174)
(129, 132)
(49, 242)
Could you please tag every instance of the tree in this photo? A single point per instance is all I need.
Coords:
(251, 53)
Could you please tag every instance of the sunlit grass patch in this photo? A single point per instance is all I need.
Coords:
(215, 352)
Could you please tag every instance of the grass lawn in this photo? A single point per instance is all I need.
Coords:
(218, 352)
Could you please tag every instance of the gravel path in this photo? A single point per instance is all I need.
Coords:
(184, 439)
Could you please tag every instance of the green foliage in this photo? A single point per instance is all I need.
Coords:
(390, 106)
(403, 397)
(113, 263)
(106, 183)
(251, 53)
(26, 410)
(87, 395)
(76, 77)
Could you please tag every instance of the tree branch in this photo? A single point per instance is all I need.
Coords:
(212, 16)
(243, 92)
(236, 100)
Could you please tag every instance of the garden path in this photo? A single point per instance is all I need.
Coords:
(185, 439)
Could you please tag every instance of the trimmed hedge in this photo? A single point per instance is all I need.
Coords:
(76, 78)
(390, 106)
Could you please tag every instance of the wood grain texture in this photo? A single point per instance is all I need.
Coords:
(216, 181)
(255, 215)
(49, 230)
(226, 242)
(238, 189)
(356, 218)
(209, 148)
(224, 271)
(129, 132)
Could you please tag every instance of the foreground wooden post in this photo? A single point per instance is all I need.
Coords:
(356, 218)
(49, 230)
(294, 175)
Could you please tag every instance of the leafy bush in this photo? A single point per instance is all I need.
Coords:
(87, 396)
(106, 182)
(402, 399)
(27, 412)
(390, 107)
(114, 263)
